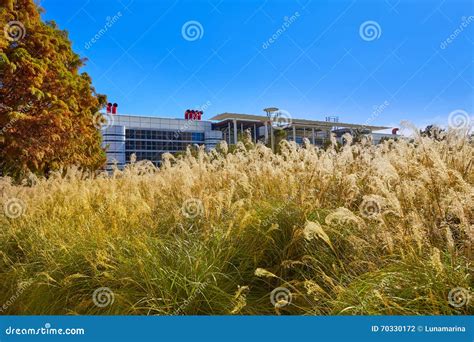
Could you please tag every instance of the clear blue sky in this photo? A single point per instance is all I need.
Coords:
(319, 65)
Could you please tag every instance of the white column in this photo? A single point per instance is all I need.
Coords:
(255, 132)
(294, 133)
(228, 132)
(313, 138)
(266, 132)
(235, 131)
(272, 138)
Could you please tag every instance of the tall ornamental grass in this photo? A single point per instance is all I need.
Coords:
(358, 229)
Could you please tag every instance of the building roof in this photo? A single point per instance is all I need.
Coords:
(295, 122)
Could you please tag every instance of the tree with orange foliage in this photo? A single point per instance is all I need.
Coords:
(47, 107)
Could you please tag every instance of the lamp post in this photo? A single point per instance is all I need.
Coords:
(269, 112)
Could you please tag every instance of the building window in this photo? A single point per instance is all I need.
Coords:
(151, 144)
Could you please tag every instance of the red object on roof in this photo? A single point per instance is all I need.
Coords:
(191, 114)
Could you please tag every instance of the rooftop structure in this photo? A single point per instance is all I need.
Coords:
(262, 128)
(149, 137)
(294, 122)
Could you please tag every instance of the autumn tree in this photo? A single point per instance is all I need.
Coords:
(47, 107)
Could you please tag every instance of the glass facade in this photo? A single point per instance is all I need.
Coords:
(148, 144)
(148, 134)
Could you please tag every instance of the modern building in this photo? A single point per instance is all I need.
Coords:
(149, 137)
(262, 128)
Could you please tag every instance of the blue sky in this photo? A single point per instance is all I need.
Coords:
(320, 63)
